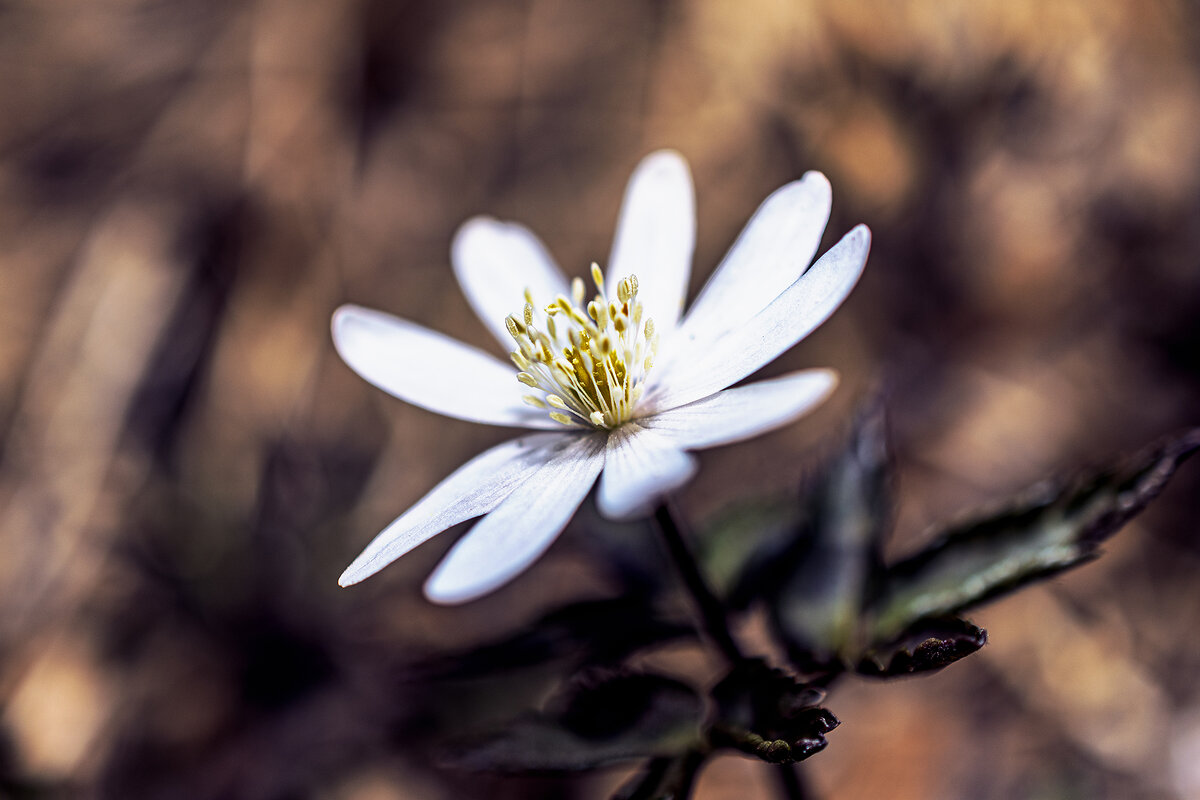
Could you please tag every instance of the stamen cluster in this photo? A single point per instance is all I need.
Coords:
(589, 365)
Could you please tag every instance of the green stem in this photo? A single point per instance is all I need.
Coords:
(712, 611)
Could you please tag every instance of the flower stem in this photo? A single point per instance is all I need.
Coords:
(712, 611)
(793, 784)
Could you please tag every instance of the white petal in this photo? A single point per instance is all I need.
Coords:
(777, 328)
(773, 250)
(655, 236)
(736, 414)
(512, 537)
(641, 466)
(495, 262)
(474, 488)
(430, 370)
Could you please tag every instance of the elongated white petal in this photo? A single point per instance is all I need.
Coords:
(773, 250)
(512, 537)
(495, 262)
(736, 414)
(641, 466)
(430, 370)
(473, 489)
(789, 318)
(656, 233)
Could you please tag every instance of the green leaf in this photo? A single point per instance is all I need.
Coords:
(664, 778)
(1049, 529)
(601, 718)
(742, 551)
(818, 609)
(744, 543)
(929, 645)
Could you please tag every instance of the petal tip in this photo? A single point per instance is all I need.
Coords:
(816, 178)
(449, 593)
(467, 234)
(351, 576)
(344, 318)
(664, 163)
(366, 565)
(831, 378)
(343, 313)
(475, 224)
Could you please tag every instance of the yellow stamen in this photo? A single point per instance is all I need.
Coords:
(592, 362)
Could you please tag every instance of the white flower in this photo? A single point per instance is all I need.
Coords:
(622, 387)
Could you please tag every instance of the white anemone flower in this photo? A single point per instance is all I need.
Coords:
(619, 387)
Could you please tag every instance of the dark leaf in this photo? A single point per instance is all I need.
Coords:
(599, 719)
(929, 645)
(1051, 528)
(591, 631)
(664, 779)
(818, 609)
(768, 714)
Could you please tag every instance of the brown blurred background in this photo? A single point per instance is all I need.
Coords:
(187, 191)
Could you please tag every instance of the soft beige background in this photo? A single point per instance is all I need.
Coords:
(187, 190)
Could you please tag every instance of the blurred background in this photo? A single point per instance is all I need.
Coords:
(188, 190)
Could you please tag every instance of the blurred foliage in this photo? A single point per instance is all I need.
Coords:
(835, 604)
(189, 189)
(600, 719)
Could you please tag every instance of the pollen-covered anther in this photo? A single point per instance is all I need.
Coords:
(590, 360)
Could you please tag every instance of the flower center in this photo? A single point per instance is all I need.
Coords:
(589, 365)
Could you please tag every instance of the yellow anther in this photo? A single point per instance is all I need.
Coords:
(515, 328)
(594, 374)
